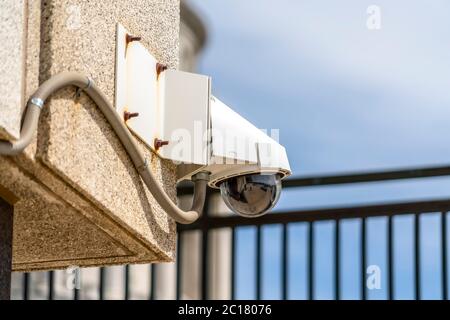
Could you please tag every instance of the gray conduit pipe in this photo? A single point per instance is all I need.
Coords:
(30, 123)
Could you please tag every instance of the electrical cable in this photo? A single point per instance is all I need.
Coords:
(64, 79)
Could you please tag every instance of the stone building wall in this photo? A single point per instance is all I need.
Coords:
(77, 196)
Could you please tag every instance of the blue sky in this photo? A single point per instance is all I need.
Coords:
(345, 98)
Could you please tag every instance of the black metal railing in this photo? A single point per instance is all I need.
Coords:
(337, 215)
(310, 218)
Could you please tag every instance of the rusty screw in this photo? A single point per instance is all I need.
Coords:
(129, 38)
(160, 68)
(128, 115)
(159, 143)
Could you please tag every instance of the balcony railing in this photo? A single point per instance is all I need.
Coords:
(309, 219)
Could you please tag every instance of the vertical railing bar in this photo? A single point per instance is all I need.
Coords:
(311, 261)
(152, 281)
(204, 248)
(6, 248)
(179, 264)
(26, 282)
(444, 254)
(258, 263)
(76, 294)
(76, 289)
(363, 257)
(101, 288)
(77, 281)
(51, 284)
(127, 282)
(337, 262)
(390, 258)
(205, 263)
(417, 255)
(233, 263)
(284, 272)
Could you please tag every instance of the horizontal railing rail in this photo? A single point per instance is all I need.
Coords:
(208, 222)
(352, 178)
(368, 176)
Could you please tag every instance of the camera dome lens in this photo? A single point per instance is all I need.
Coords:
(251, 195)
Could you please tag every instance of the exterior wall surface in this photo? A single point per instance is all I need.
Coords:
(78, 199)
(12, 64)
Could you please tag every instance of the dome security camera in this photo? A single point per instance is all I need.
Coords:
(176, 116)
(251, 195)
(244, 163)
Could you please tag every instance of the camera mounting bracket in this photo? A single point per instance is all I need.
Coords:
(164, 108)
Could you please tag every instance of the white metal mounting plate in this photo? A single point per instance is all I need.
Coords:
(172, 106)
(137, 87)
(184, 99)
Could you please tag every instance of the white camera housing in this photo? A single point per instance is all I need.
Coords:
(236, 147)
(200, 132)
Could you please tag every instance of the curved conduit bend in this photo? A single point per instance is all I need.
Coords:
(57, 82)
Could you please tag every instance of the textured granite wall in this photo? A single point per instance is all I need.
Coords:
(78, 199)
(12, 66)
